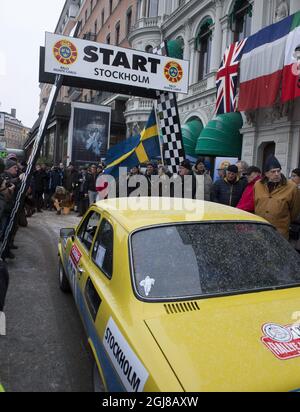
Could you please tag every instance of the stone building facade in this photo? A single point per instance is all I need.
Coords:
(15, 133)
(204, 28)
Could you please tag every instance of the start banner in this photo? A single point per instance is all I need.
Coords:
(107, 64)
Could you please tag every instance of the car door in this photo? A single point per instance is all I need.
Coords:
(79, 259)
(97, 282)
(100, 270)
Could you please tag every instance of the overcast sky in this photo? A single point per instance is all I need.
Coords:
(22, 28)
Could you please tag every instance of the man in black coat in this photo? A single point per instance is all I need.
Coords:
(228, 191)
(40, 179)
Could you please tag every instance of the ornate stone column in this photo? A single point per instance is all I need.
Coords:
(217, 39)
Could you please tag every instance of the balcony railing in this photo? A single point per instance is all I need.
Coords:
(199, 87)
(147, 22)
(139, 104)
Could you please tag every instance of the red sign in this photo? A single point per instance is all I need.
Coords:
(75, 255)
(282, 341)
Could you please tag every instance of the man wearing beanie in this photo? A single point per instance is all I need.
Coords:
(189, 181)
(228, 191)
(276, 198)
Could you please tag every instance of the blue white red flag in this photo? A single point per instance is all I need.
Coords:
(262, 63)
(227, 78)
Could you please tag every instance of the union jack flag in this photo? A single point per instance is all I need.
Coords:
(227, 78)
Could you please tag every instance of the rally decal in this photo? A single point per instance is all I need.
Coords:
(282, 341)
(65, 52)
(131, 371)
(75, 255)
(173, 72)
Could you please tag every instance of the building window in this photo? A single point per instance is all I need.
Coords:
(153, 8)
(96, 26)
(91, 6)
(204, 45)
(108, 39)
(86, 15)
(117, 33)
(149, 49)
(102, 18)
(128, 21)
(240, 20)
(110, 6)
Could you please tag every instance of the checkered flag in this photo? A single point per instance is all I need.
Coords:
(169, 123)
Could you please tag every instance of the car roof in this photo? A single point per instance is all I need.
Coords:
(135, 213)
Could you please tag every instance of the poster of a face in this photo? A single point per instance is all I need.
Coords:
(221, 164)
(90, 131)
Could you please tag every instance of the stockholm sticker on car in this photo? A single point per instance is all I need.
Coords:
(282, 341)
(131, 371)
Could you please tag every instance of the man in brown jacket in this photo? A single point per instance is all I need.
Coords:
(276, 199)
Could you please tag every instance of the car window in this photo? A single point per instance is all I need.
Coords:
(103, 248)
(92, 298)
(88, 229)
(198, 260)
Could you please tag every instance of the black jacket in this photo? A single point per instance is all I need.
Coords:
(91, 180)
(70, 179)
(40, 181)
(227, 193)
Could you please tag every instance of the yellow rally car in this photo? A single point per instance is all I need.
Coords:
(185, 301)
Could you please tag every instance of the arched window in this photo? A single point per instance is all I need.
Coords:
(149, 49)
(176, 48)
(203, 45)
(240, 20)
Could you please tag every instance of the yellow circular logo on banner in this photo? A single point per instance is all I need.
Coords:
(173, 72)
(65, 52)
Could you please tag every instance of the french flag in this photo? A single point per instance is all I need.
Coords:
(261, 67)
(291, 71)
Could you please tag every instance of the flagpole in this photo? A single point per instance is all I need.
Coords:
(158, 128)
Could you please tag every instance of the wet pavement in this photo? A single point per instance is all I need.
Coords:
(45, 349)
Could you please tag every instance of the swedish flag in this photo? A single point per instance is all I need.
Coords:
(135, 150)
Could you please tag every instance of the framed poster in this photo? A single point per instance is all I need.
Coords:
(89, 133)
(222, 163)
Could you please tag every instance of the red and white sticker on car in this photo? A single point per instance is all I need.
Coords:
(73, 261)
(282, 341)
(75, 255)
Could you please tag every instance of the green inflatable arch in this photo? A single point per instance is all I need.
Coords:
(190, 133)
(221, 137)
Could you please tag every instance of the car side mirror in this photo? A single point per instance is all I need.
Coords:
(67, 233)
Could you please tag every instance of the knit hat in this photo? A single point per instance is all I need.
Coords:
(233, 169)
(12, 156)
(10, 163)
(186, 164)
(271, 163)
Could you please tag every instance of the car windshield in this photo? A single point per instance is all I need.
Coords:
(198, 260)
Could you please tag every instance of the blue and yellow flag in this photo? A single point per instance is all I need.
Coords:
(135, 150)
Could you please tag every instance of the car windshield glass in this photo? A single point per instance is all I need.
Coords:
(196, 260)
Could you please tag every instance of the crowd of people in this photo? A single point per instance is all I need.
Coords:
(61, 189)
(268, 193)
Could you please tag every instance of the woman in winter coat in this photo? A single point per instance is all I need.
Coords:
(247, 202)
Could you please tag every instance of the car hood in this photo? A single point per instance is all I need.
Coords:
(222, 346)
